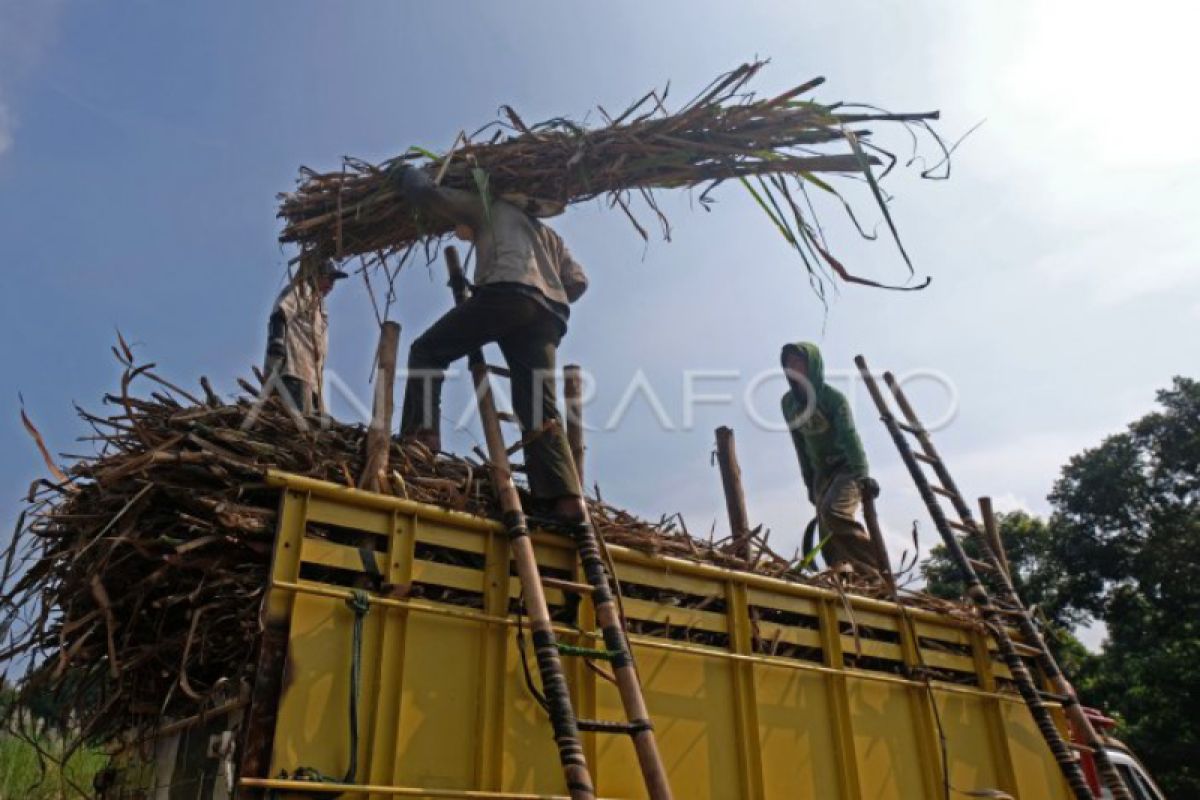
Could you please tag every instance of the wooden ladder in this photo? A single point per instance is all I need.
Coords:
(548, 651)
(998, 615)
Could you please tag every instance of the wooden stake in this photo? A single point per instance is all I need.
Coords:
(993, 533)
(735, 496)
(871, 517)
(573, 392)
(379, 435)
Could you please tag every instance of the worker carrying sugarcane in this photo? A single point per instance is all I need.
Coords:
(298, 336)
(524, 282)
(831, 456)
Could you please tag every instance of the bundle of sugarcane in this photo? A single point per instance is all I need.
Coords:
(133, 583)
(775, 147)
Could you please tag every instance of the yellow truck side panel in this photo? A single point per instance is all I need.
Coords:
(1037, 774)
(758, 689)
(889, 760)
(796, 733)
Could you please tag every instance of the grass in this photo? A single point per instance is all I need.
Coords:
(22, 779)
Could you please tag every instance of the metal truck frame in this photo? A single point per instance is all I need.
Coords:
(758, 687)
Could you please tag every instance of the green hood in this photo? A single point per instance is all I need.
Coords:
(816, 364)
(825, 438)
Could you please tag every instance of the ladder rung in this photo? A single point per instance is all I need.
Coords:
(1044, 704)
(505, 416)
(1026, 650)
(1011, 612)
(1061, 699)
(567, 586)
(997, 615)
(496, 369)
(586, 652)
(604, 726)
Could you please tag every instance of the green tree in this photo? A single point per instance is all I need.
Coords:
(1027, 545)
(1123, 547)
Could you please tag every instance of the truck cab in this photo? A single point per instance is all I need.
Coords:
(1136, 777)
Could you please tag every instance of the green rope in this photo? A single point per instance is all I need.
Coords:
(360, 603)
(586, 652)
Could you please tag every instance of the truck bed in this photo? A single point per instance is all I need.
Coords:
(758, 688)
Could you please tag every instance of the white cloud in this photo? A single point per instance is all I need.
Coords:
(1008, 502)
(1085, 84)
(1087, 135)
(27, 31)
(1108, 266)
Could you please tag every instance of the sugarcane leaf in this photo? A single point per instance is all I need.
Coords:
(422, 151)
(812, 178)
(482, 183)
(811, 555)
(778, 211)
(779, 223)
(852, 138)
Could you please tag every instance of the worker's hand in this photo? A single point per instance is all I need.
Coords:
(869, 487)
(397, 175)
(407, 179)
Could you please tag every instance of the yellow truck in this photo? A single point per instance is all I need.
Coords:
(392, 666)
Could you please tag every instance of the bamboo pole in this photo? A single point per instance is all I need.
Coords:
(554, 683)
(554, 686)
(573, 393)
(978, 593)
(871, 517)
(379, 435)
(735, 495)
(1008, 593)
(992, 529)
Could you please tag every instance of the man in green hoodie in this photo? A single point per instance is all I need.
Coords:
(831, 455)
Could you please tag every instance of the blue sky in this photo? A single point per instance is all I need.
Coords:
(142, 145)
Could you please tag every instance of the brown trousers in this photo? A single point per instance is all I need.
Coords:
(837, 506)
(528, 335)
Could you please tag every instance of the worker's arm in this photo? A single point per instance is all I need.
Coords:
(574, 279)
(791, 416)
(847, 438)
(454, 205)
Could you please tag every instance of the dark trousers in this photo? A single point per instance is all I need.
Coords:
(302, 395)
(528, 335)
(837, 507)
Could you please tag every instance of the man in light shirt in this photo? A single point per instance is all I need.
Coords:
(298, 337)
(525, 280)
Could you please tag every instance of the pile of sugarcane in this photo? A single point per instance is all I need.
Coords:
(777, 147)
(132, 587)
